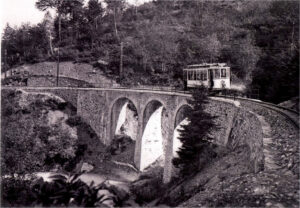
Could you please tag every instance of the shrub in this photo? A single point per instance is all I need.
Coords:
(61, 191)
(74, 121)
(147, 190)
(15, 192)
(68, 53)
(67, 191)
(149, 186)
(119, 144)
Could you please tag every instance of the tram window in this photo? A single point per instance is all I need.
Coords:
(223, 72)
(201, 76)
(217, 73)
(191, 75)
(199, 73)
(204, 75)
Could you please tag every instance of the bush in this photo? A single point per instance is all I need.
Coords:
(62, 191)
(149, 186)
(74, 121)
(68, 53)
(15, 192)
(146, 190)
(119, 144)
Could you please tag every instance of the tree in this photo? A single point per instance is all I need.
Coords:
(94, 13)
(277, 71)
(197, 147)
(44, 5)
(116, 6)
(48, 24)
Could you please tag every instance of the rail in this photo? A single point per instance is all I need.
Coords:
(291, 115)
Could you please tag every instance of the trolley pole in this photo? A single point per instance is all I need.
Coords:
(57, 69)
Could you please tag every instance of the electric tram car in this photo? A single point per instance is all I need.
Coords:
(215, 76)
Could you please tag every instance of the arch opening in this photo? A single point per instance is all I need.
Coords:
(124, 128)
(180, 120)
(154, 130)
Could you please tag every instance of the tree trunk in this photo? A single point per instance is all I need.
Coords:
(121, 63)
(115, 23)
(92, 37)
(50, 42)
(292, 41)
(59, 42)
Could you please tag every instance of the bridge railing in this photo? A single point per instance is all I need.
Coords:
(80, 84)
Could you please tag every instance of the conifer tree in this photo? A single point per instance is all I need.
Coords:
(197, 147)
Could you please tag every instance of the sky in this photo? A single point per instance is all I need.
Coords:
(16, 12)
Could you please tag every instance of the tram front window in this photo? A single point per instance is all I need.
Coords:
(223, 72)
(217, 73)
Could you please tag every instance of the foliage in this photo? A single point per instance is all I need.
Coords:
(28, 142)
(196, 149)
(257, 39)
(66, 191)
(63, 190)
(74, 121)
(15, 192)
(149, 186)
(119, 144)
(277, 72)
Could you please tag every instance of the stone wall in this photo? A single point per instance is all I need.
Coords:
(50, 81)
(93, 108)
(246, 130)
(223, 116)
(236, 127)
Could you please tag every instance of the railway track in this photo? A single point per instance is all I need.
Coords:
(289, 114)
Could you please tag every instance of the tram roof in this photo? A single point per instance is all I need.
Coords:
(206, 65)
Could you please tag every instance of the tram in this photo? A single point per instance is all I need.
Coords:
(212, 75)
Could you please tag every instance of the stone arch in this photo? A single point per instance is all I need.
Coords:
(181, 113)
(180, 116)
(149, 109)
(152, 148)
(114, 113)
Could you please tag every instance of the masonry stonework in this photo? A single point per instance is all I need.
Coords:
(97, 107)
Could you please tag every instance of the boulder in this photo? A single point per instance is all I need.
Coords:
(86, 167)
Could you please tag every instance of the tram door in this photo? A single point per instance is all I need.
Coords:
(210, 78)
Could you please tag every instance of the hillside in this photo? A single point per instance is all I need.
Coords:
(40, 132)
(44, 73)
(151, 43)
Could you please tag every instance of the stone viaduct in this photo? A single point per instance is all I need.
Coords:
(100, 108)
